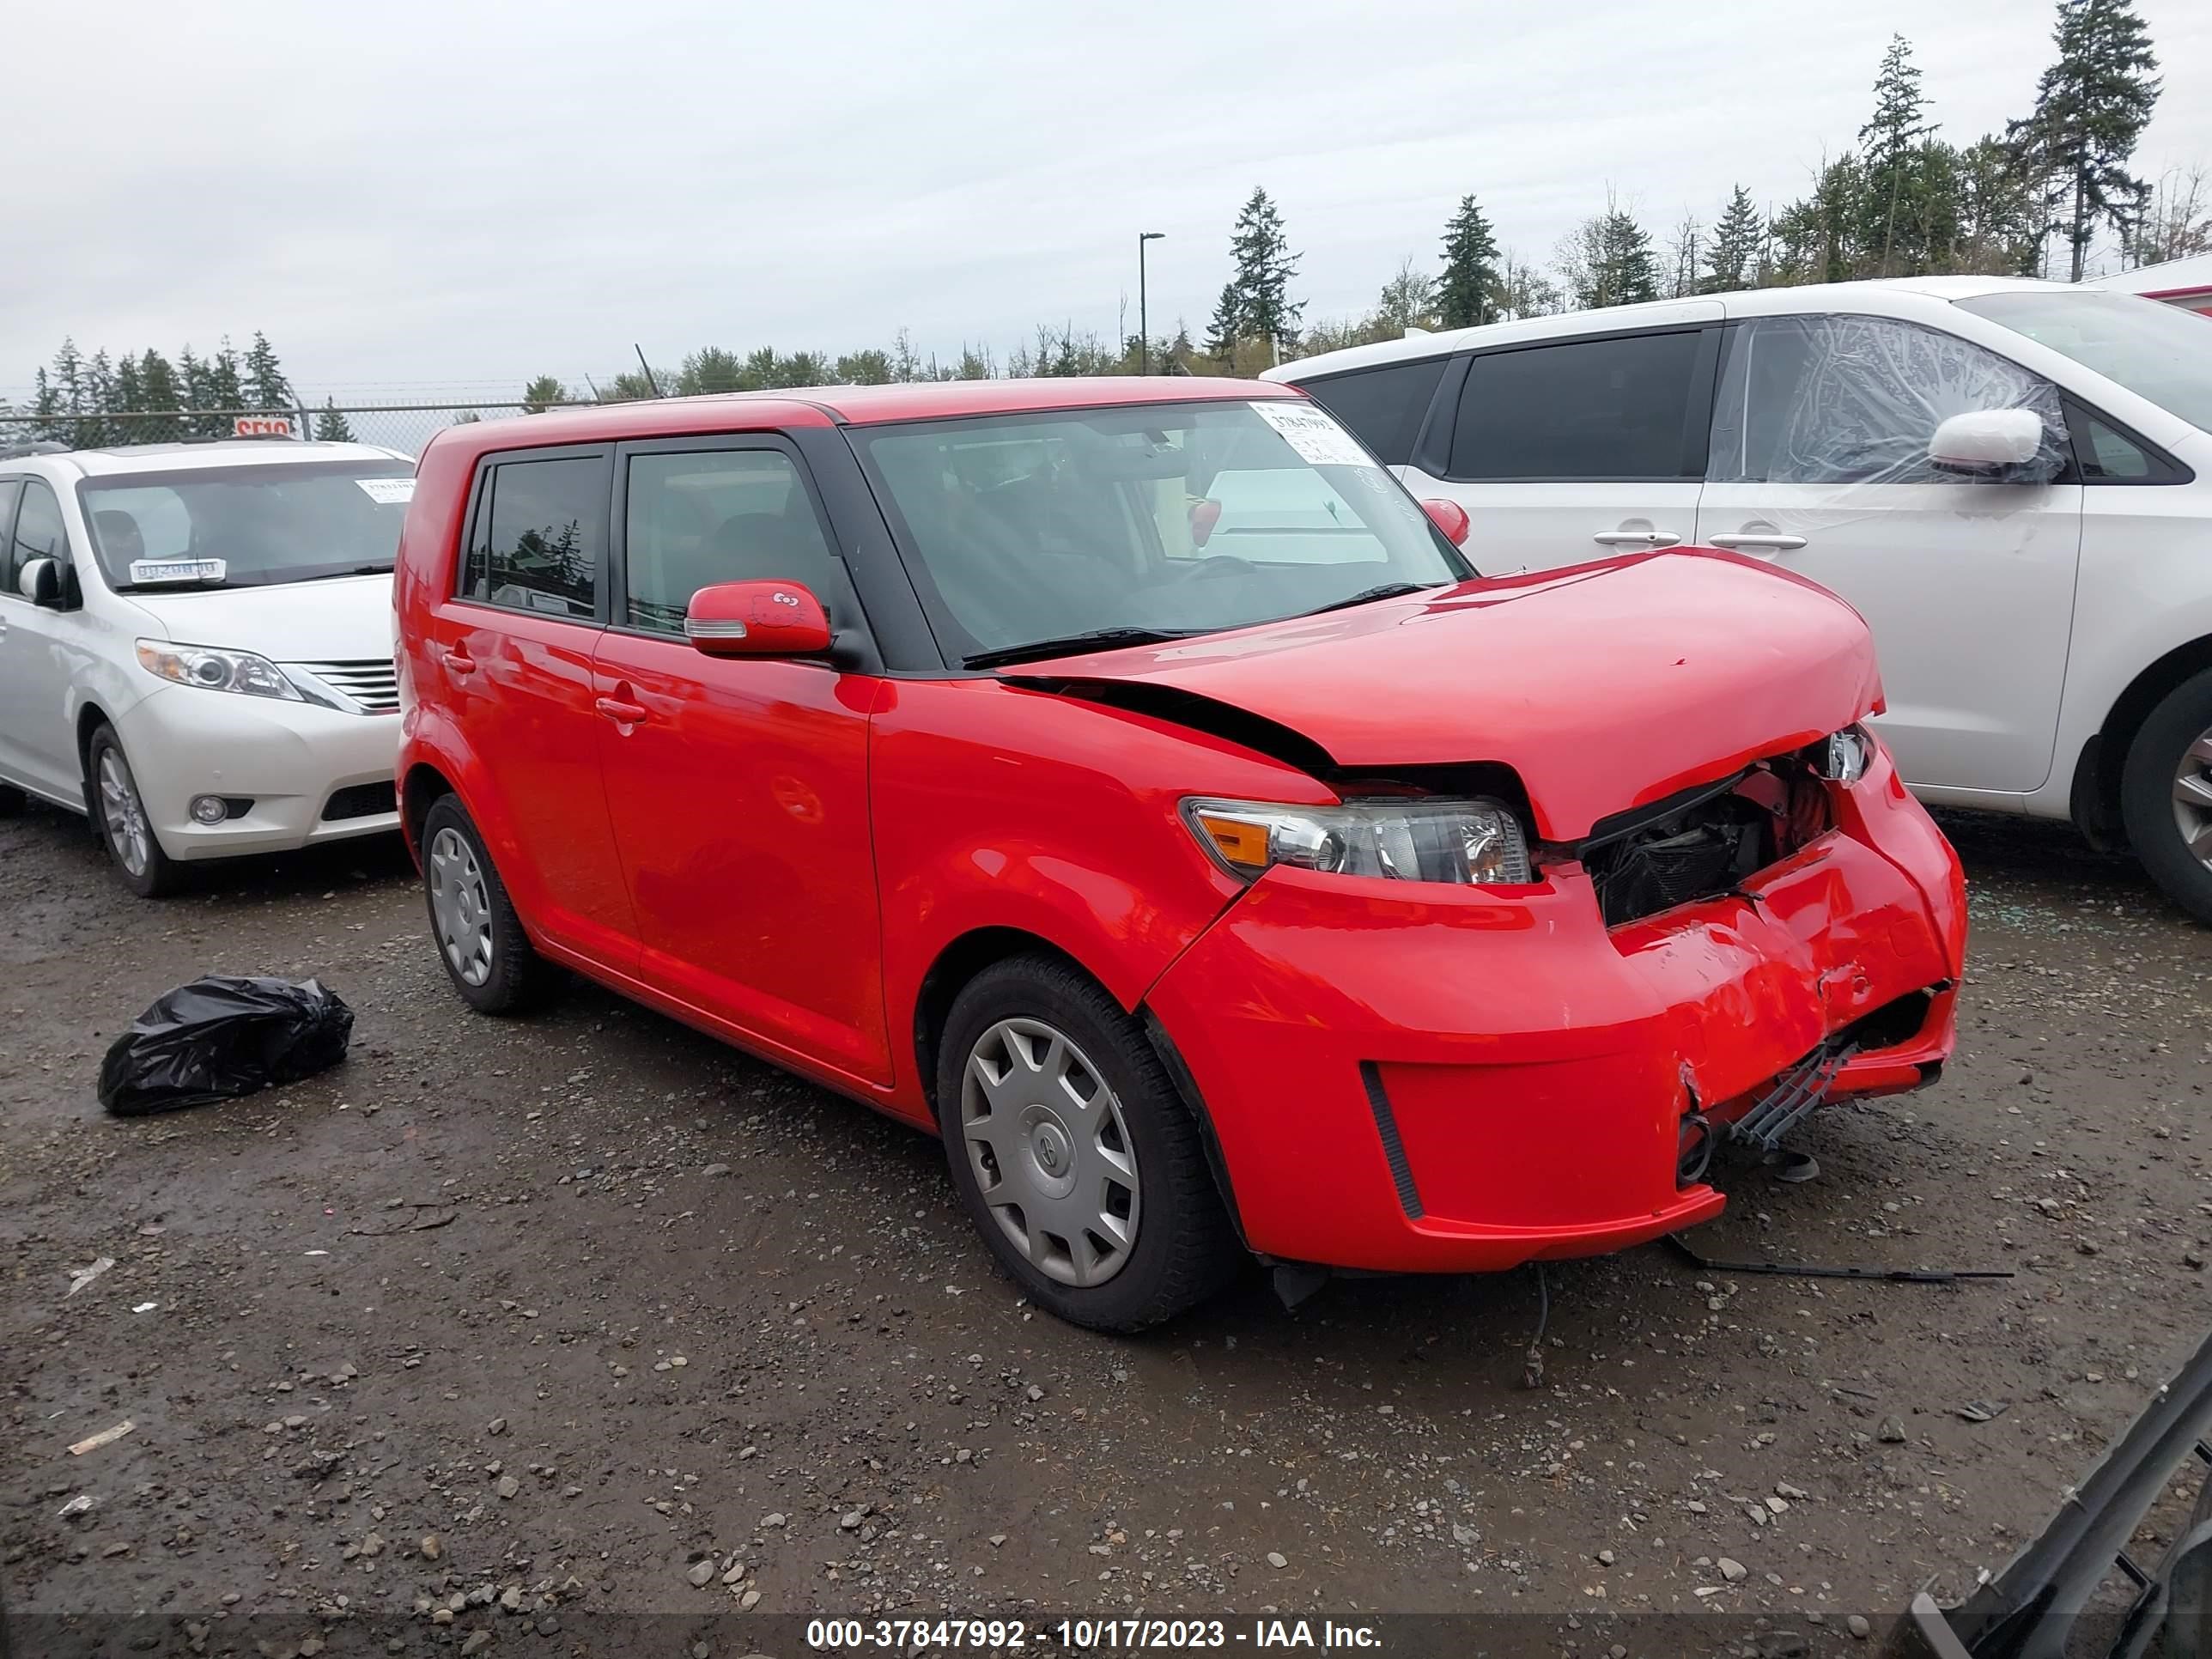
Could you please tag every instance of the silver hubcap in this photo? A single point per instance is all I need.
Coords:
(2192, 798)
(461, 906)
(131, 841)
(1045, 1138)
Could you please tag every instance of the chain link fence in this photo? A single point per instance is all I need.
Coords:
(404, 426)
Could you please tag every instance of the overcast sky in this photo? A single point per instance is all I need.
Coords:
(438, 196)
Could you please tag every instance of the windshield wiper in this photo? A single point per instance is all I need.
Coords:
(357, 570)
(1100, 639)
(1387, 591)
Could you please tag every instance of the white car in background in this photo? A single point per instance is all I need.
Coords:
(196, 644)
(2011, 480)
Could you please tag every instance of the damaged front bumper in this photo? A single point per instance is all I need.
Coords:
(1466, 1079)
(2044, 1599)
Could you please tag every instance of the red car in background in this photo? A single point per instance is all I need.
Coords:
(1128, 783)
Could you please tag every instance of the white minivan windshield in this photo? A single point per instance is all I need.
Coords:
(247, 526)
(2159, 352)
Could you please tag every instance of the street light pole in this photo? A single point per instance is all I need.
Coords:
(1144, 324)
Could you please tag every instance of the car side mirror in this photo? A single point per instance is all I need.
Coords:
(1986, 442)
(40, 582)
(757, 619)
(1450, 518)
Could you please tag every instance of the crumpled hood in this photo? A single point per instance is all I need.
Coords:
(338, 619)
(1604, 687)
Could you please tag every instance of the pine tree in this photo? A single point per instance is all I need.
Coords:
(157, 383)
(1608, 261)
(1256, 303)
(2091, 106)
(1734, 246)
(1468, 295)
(266, 388)
(330, 426)
(1229, 323)
(225, 385)
(1891, 138)
(46, 408)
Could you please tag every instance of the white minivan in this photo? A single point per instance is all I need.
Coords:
(2011, 480)
(196, 644)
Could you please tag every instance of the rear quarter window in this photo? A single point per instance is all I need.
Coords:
(1384, 406)
(540, 539)
(1615, 409)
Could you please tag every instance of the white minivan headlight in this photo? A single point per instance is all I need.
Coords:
(1465, 843)
(213, 668)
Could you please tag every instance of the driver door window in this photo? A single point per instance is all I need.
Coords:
(718, 515)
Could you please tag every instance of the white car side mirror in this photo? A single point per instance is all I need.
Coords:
(1986, 441)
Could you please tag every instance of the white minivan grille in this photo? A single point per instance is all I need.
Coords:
(372, 686)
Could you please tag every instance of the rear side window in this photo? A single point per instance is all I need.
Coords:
(724, 515)
(1610, 409)
(1383, 406)
(541, 538)
(39, 532)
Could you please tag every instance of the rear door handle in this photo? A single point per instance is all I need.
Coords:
(1761, 541)
(1635, 538)
(620, 713)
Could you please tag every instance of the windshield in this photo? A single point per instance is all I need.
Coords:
(247, 526)
(2160, 352)
(1162, 519)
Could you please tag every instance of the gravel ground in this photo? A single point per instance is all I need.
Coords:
(503, 1324)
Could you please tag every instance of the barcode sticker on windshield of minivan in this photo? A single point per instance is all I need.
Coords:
(387, 492)
(1314, 433)
(147, 571)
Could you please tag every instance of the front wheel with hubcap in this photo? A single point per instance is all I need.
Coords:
(480, 940)
(118, 817)
(2166, 795)
(1074, 1156)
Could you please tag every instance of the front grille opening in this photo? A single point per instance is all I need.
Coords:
(361, 800)
(1704, 841)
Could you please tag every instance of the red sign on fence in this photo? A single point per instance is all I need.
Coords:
(261, 426)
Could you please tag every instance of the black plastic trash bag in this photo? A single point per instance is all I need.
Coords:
(222, 1036)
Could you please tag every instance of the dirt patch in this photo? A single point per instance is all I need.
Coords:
(594, 1303)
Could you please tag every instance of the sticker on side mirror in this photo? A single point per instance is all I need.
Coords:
(146, 572)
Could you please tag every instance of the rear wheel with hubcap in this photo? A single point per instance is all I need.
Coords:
(1074, 1156)
(2166, 795)
(480, 940)
(119, 819)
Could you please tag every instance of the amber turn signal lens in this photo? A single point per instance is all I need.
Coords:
(1242, 843)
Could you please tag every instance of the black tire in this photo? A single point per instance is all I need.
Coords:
(515, 975)
(156, 873)
(11, 801)
(1184, 1248)
(2149, 783)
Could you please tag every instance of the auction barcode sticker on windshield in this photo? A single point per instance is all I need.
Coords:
(1313, 432)
(388, 492)
(177, 570)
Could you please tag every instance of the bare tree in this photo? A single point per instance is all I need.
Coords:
(2176, 219)
(1687, 250)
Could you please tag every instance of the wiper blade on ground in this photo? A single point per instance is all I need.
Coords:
(1387, 591)
(1101, 639)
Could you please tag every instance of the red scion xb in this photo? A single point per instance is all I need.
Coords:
(1126, 781)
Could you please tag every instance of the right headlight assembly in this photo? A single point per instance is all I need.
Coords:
(1464, 843)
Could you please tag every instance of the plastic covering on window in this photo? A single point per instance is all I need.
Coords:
(1857, 400)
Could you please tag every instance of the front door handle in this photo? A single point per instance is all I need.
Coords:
(620, 713)
(1635, 538)
(457, 661)
(1761, 541)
